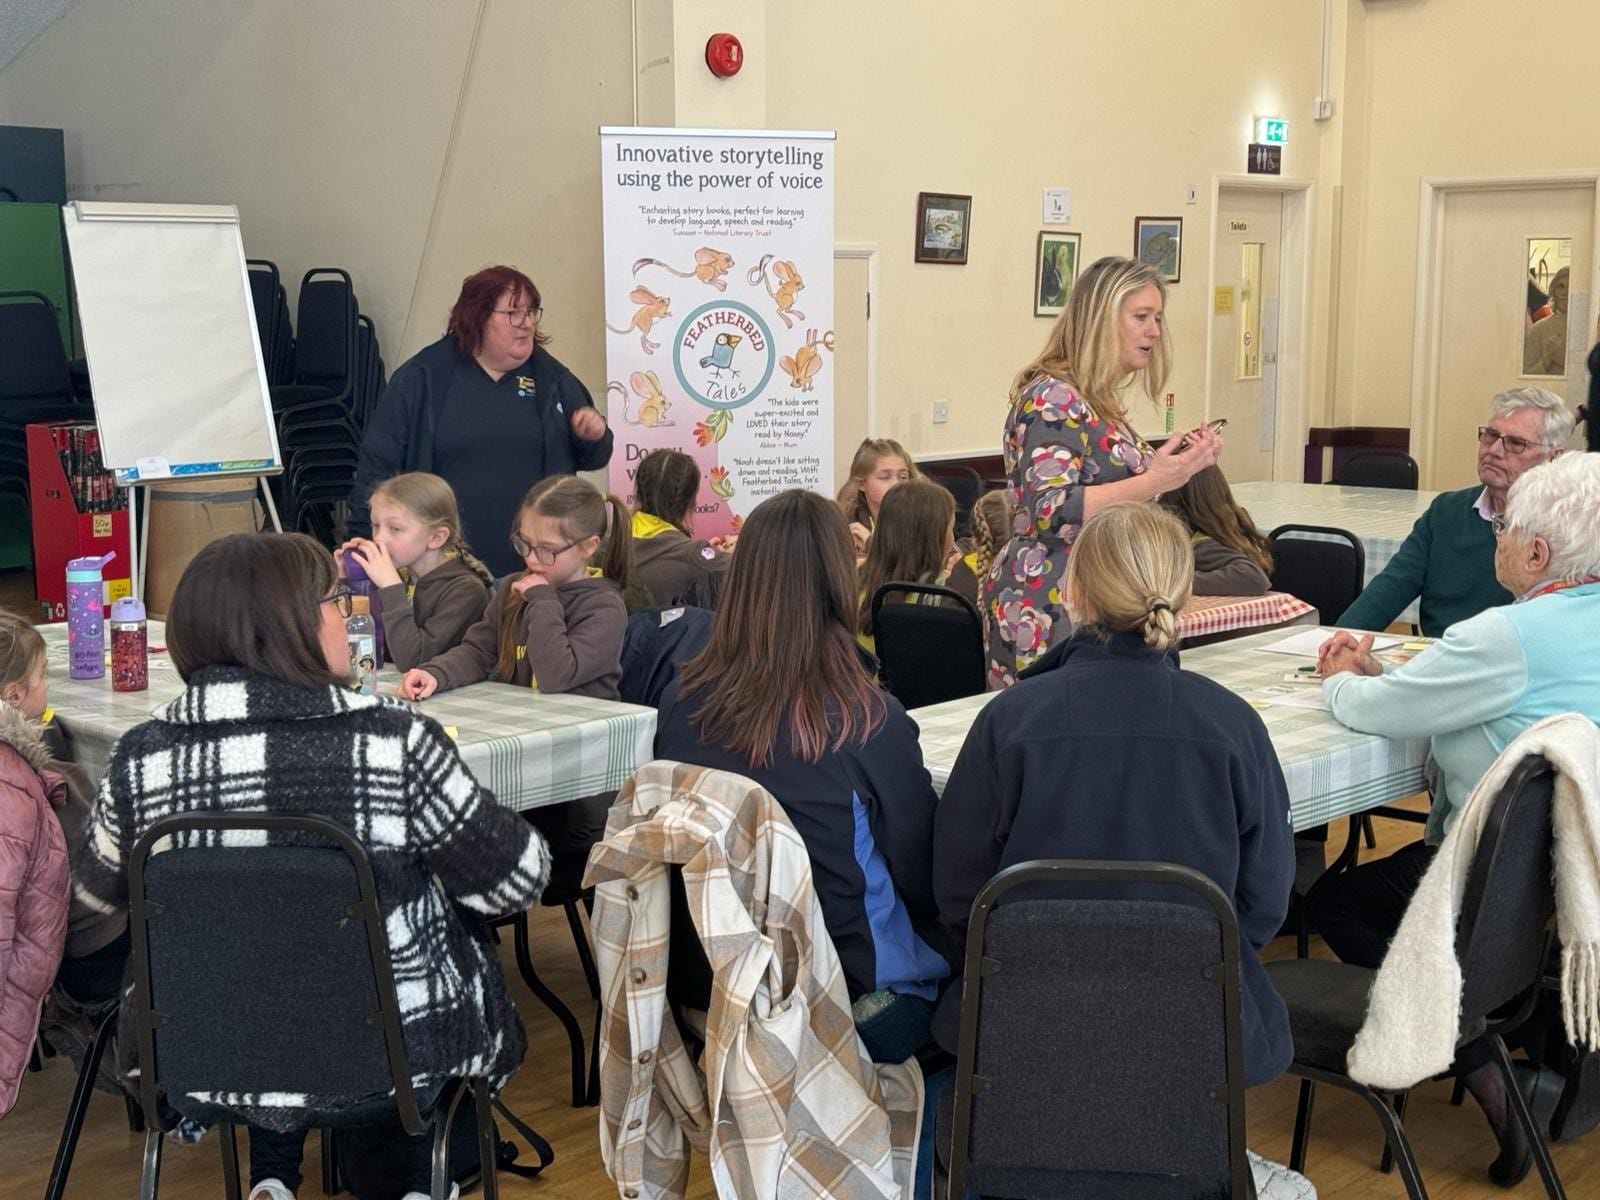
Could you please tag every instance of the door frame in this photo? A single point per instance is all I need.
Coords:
(869, 252)
(1425, 336)
(1291, 424)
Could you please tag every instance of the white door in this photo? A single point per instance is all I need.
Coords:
(1499, 253)
(1244, 329)
(852, 335)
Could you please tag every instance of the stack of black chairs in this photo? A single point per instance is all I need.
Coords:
(326, 377)
(35, 381)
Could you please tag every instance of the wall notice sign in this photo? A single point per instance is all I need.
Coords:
(1264, 159)
(1222, 303)
(1057, 206)
(1238, 226)
(719, 310)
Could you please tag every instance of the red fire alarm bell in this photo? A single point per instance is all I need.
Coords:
(724, 55)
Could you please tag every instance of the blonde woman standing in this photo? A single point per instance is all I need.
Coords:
(1070, 450)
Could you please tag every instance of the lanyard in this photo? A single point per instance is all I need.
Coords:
(1557, 585)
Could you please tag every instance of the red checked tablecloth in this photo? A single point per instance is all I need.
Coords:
(1205, 615)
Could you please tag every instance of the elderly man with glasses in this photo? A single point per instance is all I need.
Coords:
(1448, 561)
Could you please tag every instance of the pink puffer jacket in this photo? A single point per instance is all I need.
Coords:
(34, 890)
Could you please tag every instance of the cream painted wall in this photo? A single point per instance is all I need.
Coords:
(1126, 103)
(330, 126)
(1454, 88)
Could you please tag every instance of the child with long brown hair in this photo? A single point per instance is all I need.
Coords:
(782, 695)
(913, 543)
(676, 566)
(1231, 558)
(552, 626)
(879, 465)
(431, 587)
(991, 530)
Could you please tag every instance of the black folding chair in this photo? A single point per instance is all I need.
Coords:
(1321, 564)
(1100, 1051)
(962, 482)
(930, 643)
(223, 938)
(1501, 941)
(1380, 469)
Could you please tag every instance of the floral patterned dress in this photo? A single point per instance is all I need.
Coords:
(1055, 446)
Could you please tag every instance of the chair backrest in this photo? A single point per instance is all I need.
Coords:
(962, 482)
(1100, 1051)
(1380, 469)
(1322, 565)
(33, 366)
(1501, 935)
(932, 648)
(325, 339)
(261, 962)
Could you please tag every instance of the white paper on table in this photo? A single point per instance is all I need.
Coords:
(1301, 698)
(1307, 642)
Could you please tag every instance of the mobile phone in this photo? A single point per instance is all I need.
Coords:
(1218, 425)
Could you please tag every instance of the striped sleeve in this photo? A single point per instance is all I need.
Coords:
(486, 857)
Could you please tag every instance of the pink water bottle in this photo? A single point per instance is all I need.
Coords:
(86, 617)
(130, 647)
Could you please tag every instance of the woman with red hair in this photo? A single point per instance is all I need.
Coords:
(489, 409)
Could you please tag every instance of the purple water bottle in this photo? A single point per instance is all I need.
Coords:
(86, 617)
(355, 578)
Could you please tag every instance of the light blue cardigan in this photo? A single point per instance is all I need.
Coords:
(1484, 682)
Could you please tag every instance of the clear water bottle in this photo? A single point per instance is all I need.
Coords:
(360, 637)
(130, 647)
(355, 578)
(86, 616)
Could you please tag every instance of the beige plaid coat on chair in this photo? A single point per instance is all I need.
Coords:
(784, 1099)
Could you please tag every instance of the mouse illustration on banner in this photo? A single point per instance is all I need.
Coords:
(709, 267)
(652, 308)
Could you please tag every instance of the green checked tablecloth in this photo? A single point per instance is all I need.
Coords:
(1381, 517)
(1331, 771)
(529, 749)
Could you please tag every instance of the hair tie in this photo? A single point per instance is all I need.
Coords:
(1156, 606)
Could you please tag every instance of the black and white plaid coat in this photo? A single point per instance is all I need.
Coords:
(436, 838)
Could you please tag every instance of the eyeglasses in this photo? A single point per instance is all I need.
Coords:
(543, 555)
(519, 316)
(1514, 445)
(341, 600)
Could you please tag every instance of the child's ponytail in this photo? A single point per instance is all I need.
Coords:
(616, 549)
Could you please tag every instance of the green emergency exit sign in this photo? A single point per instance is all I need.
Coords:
(1274, 131)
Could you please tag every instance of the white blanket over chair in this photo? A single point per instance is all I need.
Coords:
(1413, 1011)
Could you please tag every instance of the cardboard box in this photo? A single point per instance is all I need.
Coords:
(62, 530)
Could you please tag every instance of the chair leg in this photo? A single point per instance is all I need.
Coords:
(592, 1099)
(1396, 1135)
(580, 939)
(1386, 1159)
(1458, 1093)
(488, 1141)
(330, 1163)
(1530, 1127)
(135, 1114)
(77, 1108)
(230, 1162)
(35, 1062)
(1302, 1126)
(1366, 832)
(439, 1187)
(551, 1001)
(150, 1176)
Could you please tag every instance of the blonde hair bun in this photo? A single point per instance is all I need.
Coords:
(1132, 568)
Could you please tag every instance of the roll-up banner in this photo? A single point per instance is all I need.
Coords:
(719, 310)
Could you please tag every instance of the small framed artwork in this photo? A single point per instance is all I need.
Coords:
(1159, 242)
(1054, 272)
(944, 227)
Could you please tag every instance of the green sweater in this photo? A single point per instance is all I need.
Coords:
(1448, 561)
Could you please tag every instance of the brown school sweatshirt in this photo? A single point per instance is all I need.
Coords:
(436, 616)
(1223, 571)
(569, 640)
(679, 569)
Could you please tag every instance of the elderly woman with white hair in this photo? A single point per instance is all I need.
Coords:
(1472, 692)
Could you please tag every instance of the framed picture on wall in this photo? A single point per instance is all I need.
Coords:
(944, 226)
(1159, 242)
(1055, 270)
